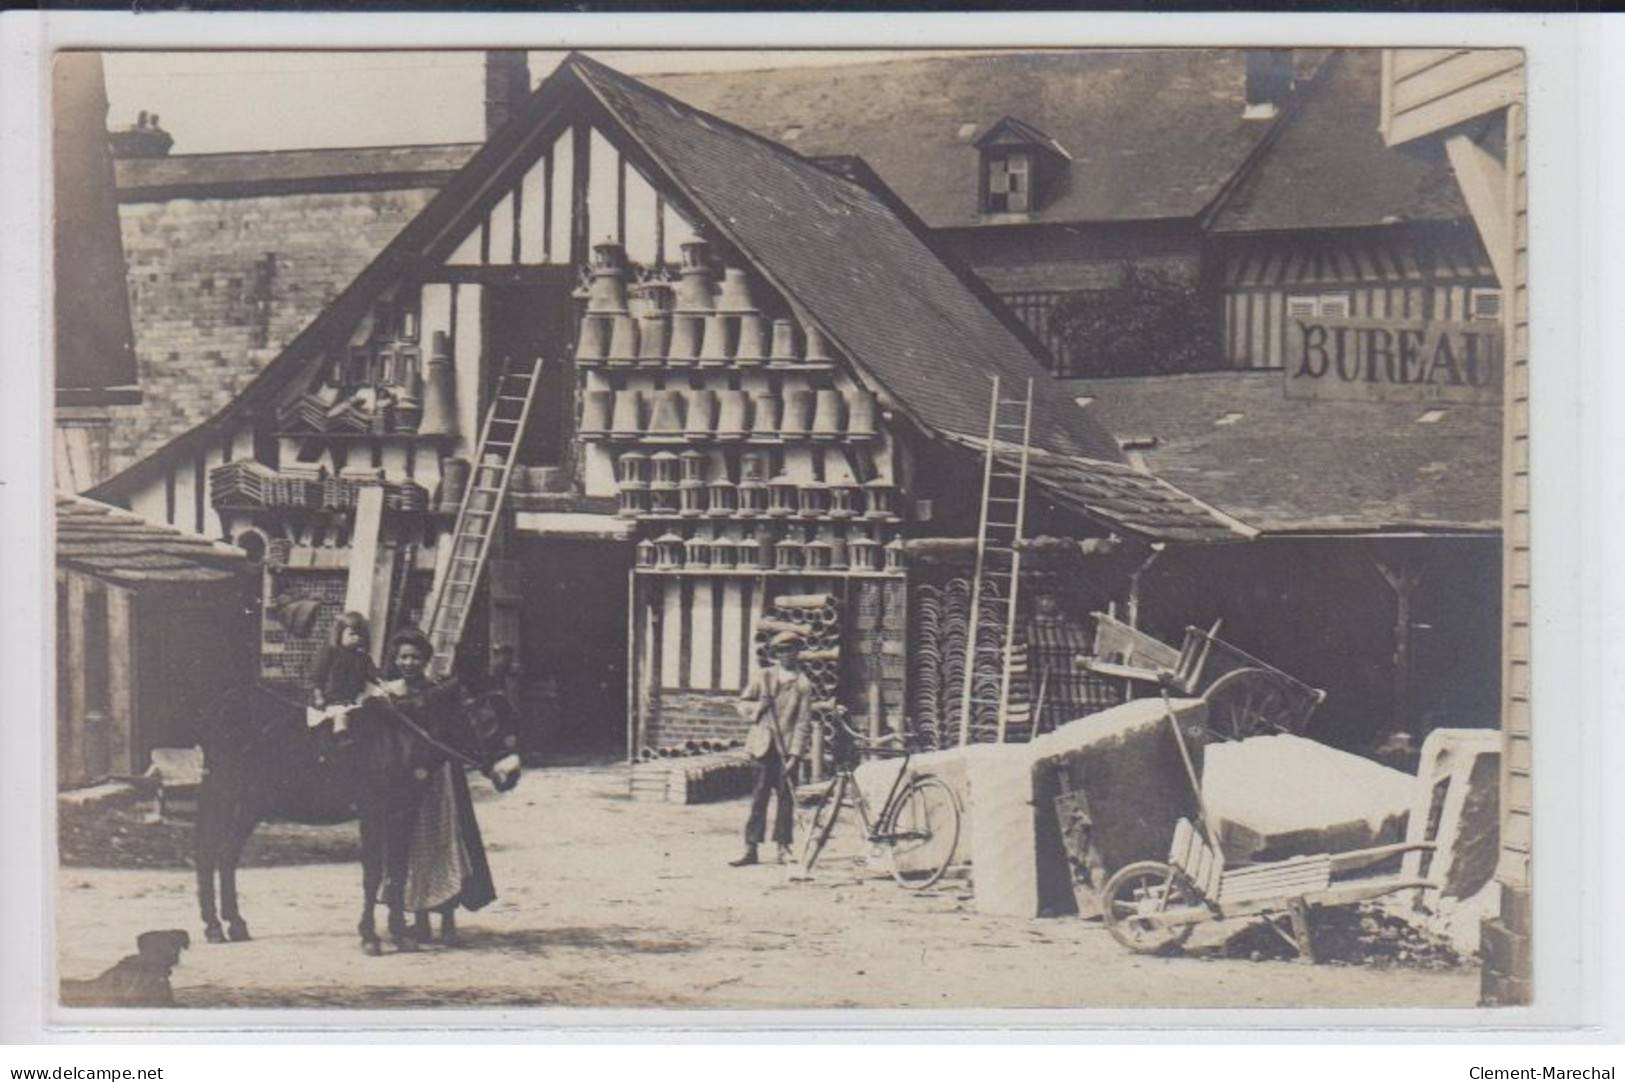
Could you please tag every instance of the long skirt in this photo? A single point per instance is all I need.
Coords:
(446, 864)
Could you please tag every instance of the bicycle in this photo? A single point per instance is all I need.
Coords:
(918, 823)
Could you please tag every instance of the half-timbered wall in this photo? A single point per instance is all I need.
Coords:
(1267, 281)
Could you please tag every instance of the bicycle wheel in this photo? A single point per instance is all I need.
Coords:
(921, 832)
(821, 823)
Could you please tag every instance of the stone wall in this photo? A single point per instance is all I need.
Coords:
(218, 286)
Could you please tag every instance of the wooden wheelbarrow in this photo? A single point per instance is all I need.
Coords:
(1151, 907)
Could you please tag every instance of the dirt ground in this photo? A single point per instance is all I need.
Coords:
(608, 903)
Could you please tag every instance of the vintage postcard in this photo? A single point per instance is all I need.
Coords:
(695, 528)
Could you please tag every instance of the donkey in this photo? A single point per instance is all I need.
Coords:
(261, 761)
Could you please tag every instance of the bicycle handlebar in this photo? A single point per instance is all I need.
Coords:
(888, 742)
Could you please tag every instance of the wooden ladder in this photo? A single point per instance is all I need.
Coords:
(479, 515)
(998, 550)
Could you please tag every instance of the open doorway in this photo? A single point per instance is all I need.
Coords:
(573, 643)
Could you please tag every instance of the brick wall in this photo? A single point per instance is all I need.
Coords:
(680, 716)
(218, 286)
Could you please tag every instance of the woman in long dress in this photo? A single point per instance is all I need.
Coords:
(446, 866)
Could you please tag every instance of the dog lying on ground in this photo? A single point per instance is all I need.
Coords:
(138, 980)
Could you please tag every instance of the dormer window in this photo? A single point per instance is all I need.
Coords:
(1009, 182)
(1021, 167)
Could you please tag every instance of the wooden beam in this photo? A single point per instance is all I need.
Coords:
(123, 749)
(1482, 179)
(366, 553)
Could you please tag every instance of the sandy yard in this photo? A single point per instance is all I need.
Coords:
(608, 903)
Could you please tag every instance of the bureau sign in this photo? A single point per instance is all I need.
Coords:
(1394, 360)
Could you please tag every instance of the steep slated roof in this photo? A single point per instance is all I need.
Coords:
(853, 258)
(1329, 167)
(1153, 133)
(126, 549)
(844, 254)
(1288, 465)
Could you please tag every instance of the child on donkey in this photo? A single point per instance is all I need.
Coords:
(340, 676)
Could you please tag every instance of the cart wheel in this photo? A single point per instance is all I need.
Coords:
(1247, 702)
(1138, 890)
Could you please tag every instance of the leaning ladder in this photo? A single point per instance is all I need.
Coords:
(998, 551)
(479, 515)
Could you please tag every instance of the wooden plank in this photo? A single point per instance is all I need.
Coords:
(121, 683)
(1181, 845)
(366, 549)
(1411, 61)
(1451, 77)
(1466, 103)
(71, 736)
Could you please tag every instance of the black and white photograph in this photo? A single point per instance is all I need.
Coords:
(779, 529)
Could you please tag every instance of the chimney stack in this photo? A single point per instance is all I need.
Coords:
(507, 84)
(1269, 82)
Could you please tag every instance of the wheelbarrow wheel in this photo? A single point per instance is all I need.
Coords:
(1137, 891)
(1248, 702)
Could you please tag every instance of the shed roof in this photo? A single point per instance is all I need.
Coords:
(1152, 133)
(261, 172)
(126, 549)
(1233, 440)
(1329, 168)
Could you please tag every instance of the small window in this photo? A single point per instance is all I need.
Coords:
(1229, 418)
(966, 130)
(1431, 417)
(791, 133)
(1318, 305)
(1009, 183)
(1334, 305)
(1485, 304)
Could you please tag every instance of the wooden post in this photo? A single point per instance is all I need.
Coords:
(1403, 580)
(634, 636)
(71, 737)
(123, 741)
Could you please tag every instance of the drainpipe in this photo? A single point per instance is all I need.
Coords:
(1134, 584)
